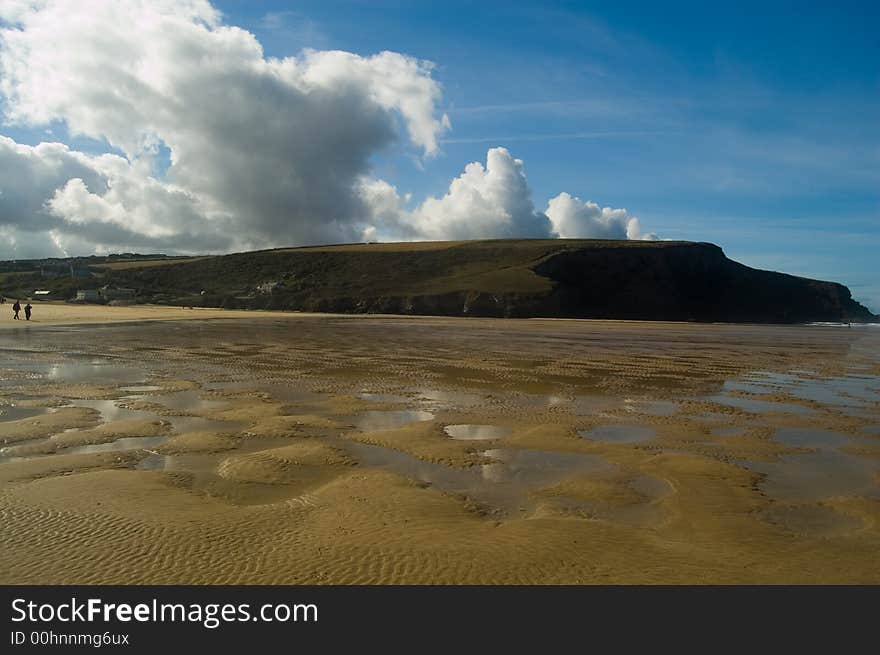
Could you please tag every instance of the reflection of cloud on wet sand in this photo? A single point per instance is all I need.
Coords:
(342, 449)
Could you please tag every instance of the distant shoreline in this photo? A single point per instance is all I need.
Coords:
(55, 313)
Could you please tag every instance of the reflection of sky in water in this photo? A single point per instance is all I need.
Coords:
(817, 476)
(535, 468)
(728, 432)
(468, 431)
(619, 433)
(650, 486)
(651, 407)
(379, 420)
(186, 400)
(111, 412)
(844, 391)
(811, 438)
(450, 398)
(759, 406)
(593, 405)
(185, 424)
(120, 445)
(503, 484)
(541, 400)
(15, 413)
(382, 397)
(187, 463)
(849, 390)
(94, 371)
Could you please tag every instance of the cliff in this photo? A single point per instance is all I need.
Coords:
(665, 280)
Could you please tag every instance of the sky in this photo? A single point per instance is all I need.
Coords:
(187, 127)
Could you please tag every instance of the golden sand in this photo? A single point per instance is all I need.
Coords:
(55, 313)
(312, 449)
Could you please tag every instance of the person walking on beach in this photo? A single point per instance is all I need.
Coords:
(27, 312)
(15, 309)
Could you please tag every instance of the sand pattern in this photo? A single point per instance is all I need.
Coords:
(244, 447)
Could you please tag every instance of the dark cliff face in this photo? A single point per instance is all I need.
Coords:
(677, 281)
(693, 282)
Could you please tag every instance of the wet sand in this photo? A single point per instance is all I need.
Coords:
(164, 445)
(57, 313)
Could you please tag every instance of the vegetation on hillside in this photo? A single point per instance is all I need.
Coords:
(663, 280)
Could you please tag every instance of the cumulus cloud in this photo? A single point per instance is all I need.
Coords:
(32, 174)
(260, 151)
(274, 145)
(572, 217)
(54, 200)
(492, 201)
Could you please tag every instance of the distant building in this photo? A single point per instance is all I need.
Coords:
(268, 287)
(88, 295)
(117, 293)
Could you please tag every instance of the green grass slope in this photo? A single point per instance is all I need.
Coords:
(582, 278)
(661, 280)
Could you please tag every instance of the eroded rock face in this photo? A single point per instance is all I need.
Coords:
(690, 282)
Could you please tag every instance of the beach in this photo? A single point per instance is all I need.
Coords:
(163, 445)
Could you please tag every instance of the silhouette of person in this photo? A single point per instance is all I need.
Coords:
(27, 312)
(15, 309)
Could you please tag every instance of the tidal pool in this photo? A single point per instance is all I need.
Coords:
(811, 438)
(817, 476)
(383, 397)
(728, 432)
(446, 399)
(619, 433)
(94, 371)
(14, 412)
(186, 400)
(651, 407)
(111, 412)
(467, 431)
(373, 420)
(119, 445)
(503, 484)
(757, 406)
(845, 391)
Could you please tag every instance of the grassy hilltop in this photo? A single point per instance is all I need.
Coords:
(663, 280)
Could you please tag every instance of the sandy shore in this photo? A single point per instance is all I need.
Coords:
(56, 313)
(323, 449)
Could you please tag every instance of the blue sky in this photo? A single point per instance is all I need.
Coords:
(752, 125)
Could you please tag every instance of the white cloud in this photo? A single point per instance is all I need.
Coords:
(263, 151)
(52, 195)
(493, 201)
(572, 217)
(31, 175)
(274, 145)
